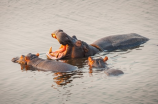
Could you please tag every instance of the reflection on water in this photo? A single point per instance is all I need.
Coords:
(60, 78)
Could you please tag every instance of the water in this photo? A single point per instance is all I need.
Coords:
(25, 27)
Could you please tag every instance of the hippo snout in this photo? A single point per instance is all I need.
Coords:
(20, 60)
(15, 59)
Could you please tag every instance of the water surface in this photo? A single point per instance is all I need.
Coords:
(25, 27)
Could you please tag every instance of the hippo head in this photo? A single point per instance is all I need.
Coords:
(71, 47)
(98, 63)
(25, 59)
(31, 56)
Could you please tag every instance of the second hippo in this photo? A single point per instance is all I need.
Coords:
(42, 64)
(100, 63)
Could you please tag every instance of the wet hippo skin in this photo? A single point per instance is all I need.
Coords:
(124, 41)
(100, 63)
(71, 47)
(42, 64)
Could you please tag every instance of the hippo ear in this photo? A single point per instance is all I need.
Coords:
(90, 59)
(21, 56)
(105, 59)
(37, 54)
(26, 58)
(74, 37)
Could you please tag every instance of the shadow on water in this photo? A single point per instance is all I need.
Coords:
(79, 62)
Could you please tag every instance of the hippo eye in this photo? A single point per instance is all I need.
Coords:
(66, 38)
(78, 43)
(33, 56)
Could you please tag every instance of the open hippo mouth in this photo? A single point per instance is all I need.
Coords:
(66, 45)
(70, 47)
(58, 54)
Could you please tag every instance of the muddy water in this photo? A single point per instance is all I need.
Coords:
(25, 26)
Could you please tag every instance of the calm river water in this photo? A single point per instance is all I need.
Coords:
(26, 25)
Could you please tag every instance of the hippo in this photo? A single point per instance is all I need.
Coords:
(44, 64)
(100, 63)
(71, 47)
(97, 63)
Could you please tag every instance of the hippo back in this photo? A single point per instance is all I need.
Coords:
(49, 65)
(114, 72)
(124, 41)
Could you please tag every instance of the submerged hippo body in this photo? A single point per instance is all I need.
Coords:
(42, 64)
(48, 65)
(71, 47)
(115, 42)
(100, 63)
(114, 72)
